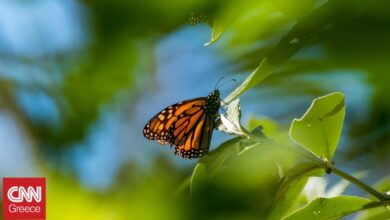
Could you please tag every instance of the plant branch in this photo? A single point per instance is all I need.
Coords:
(382, 197)
(376, 204)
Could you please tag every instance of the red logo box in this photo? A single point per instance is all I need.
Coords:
(24, 198)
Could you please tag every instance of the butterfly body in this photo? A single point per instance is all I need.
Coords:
(187, 125)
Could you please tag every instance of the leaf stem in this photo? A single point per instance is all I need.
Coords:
(382, 197)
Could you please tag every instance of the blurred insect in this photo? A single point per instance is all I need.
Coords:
(187, 125)
(196, 18)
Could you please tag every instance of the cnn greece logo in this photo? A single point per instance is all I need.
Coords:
(24, 198)
(22, 193)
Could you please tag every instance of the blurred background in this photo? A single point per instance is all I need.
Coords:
(80, 79)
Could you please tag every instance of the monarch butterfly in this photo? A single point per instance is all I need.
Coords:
(188, 125)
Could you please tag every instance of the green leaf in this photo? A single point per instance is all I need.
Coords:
(283, 205)
(248, 148)
(219, 27)
(329, 208)
(290, 188)
(320, 127)
(216, 158)
(211, 163)
(245, 167)
(289, 8)
(198, 177)
(257, 76)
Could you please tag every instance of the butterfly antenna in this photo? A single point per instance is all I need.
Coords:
(224, 83)
(220, 79)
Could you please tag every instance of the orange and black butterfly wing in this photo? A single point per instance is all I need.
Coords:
(159, 128)
(194, 139)
(188, 125)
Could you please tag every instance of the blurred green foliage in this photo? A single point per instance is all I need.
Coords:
(136, 195)
(345, 35)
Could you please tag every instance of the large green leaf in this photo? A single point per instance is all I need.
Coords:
(217, 157)
(208, 165)
(329, 208)
(320, 127)
(198, 177)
